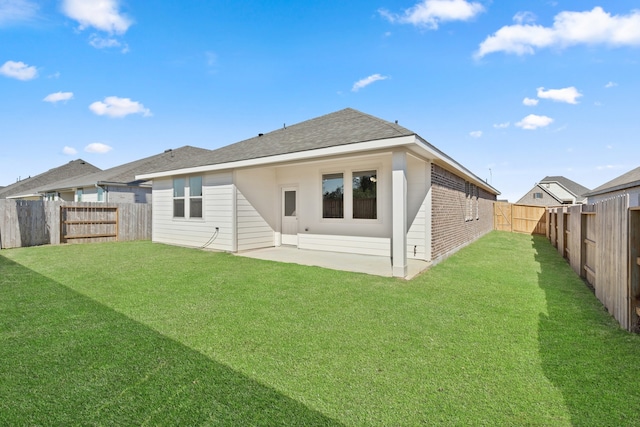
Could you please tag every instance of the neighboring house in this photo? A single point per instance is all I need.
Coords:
(28, 188)
(119, 184)
(343, 182)
(554, 191)
(628, 183)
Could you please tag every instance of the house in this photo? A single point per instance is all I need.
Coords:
(343, 182)
(628, 183)
(119, 184)
(27, 189)
(554, 191)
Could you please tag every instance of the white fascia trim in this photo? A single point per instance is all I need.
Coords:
(414, 142)
(21, 196)
(290, 157)
(434, 153)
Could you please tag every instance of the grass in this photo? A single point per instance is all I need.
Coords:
(501, 333)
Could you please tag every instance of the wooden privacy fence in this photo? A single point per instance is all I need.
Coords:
(83, 224)
(519, 218)
(602, 244)
(31, 223)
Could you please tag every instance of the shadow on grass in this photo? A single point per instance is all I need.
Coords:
(67, 360)
(584, 352)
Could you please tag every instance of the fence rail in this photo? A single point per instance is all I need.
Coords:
(31, 223)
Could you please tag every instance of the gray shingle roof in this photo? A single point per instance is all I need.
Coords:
(125, 174)
(74, 168)
(572, 186)
(627, 180)
(342, 127)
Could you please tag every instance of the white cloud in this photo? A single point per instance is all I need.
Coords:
(610, 167)
(70, 151)
(114, 106)
(97, 147)
(569, 28)
(533, 121)
(102, 43)
(524, 17)
(530, 102)
(502, 125)
(430, 13)
(367, 81)
(103, 15)
(475, 134)
(58, 96)
(18, 70)
(16, 11)
(567, 94)
(610, 85)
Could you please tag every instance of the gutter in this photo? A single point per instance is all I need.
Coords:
(413, 142)
(614, 188)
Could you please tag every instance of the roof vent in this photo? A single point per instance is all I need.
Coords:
(260, 134)
(396, 122)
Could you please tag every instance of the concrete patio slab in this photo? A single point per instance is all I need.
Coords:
(375, 265)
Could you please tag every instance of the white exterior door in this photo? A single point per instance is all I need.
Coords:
(290, 216)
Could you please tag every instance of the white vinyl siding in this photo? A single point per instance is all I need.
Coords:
(217, 212)
(253, 230)
(418, 184)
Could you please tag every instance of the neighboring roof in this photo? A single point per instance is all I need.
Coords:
(29, 186)
(571, 186)
(338, 129)
(126, 174)
(624, 181)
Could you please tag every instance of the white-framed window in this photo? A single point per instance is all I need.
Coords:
(365, 194)
(178, 197)
(355, 201)
(187, 197)
(537, 195)
(100, 194)
(79, 195)
(333, 195)
(195, 197)
(472, 204)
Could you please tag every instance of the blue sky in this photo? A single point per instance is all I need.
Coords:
(513, 90)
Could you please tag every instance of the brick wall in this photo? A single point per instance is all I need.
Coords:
(461, 212)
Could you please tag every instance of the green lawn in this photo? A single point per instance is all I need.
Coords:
(501, 333)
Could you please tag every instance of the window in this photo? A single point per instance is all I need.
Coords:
(365, 195)
(100, 194)
(195, 197)
(178, 197)
(290, 203)
(79, 195)
(187, 200)
(333, 195)
(537, 195)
